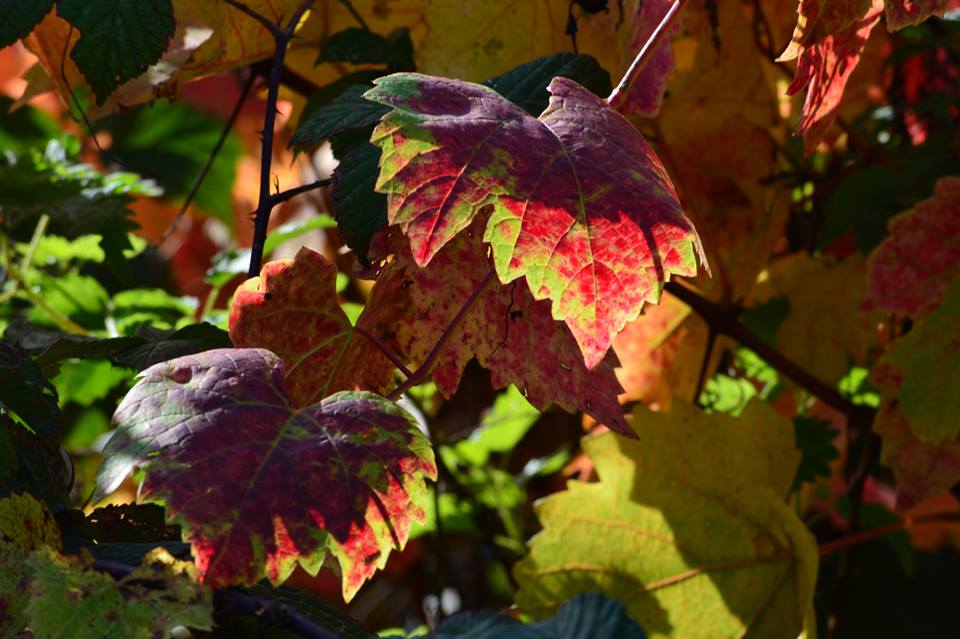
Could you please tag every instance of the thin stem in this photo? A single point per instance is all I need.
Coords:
(211, 158)
(289, 194)
(418, 375)
(705, 364)
(356, 14)
(870, 534)
(27, 259)
(265, 202)
(619, 94)
(58, 318)
(385, 350)
(724, 322)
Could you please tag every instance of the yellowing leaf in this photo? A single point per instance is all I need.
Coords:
(687, 526)
(26, 524)
(825, 329)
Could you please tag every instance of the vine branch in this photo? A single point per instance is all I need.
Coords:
(724, 321)
(266, 201)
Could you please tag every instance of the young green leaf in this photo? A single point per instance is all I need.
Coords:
(269, 486)
(575, 201)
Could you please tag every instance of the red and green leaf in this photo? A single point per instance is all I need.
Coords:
(506, 330)
(292, 310)
(908, 272)
(575, 201)
(260, 486)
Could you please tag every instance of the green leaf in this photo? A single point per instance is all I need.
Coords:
(350, 110)
(687, 526)
(85, 381)
(19, 17)
(929, 356)
(32, 464)
(171, 142)
(814, 439)
(500, 430)
(359, 210)
(359, 46)
(118, 39)
(25, 392)
(293, 230)
(101, 607)
(526, 85)
(54, 250)
(26, 127)
(727, 394)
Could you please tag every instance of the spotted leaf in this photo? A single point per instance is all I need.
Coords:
(259, 486)
(575, 201)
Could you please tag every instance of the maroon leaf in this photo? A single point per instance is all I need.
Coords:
(259, 486)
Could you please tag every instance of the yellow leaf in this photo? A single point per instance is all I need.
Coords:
(687, 526)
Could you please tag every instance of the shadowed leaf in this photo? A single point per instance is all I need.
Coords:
(270, 486)
(19, 17)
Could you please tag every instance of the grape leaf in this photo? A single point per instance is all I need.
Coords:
(506, 330)
(292, 310)
(360, 465)
(904, 13)
(644, 96)
(25, 526)
(929, 356)
(826, 328)
(823, 69)
(118, 39)
(577, 201)
(585, 616)
(19, 17)
(101, 607)
(908, 272)
(687, 526)
(818, 19)
(25, 392)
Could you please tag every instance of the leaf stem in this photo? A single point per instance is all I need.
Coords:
(870, 534)
(619, 94)
(265, 202)
(289, 194)
(417, 376)
(724, 322)
(356, 14)
(393, 357)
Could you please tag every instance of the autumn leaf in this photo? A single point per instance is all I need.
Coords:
(576, 201)
(506, 330)
(292, 309)
(101, 607)
(908, 272)
(818, 19)
(226, 416)
(687, 526)
(823, 70)
(826, 329)
(905, 13)
(646, 93)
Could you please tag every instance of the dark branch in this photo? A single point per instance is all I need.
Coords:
(266, 202)
(289, 194)
(356, 14)
(724, 322)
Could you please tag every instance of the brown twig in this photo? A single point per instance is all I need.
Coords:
(724, 321)
(870, 534)
(266, 201)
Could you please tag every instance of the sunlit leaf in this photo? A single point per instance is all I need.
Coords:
(687, 526)
(576, 202)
